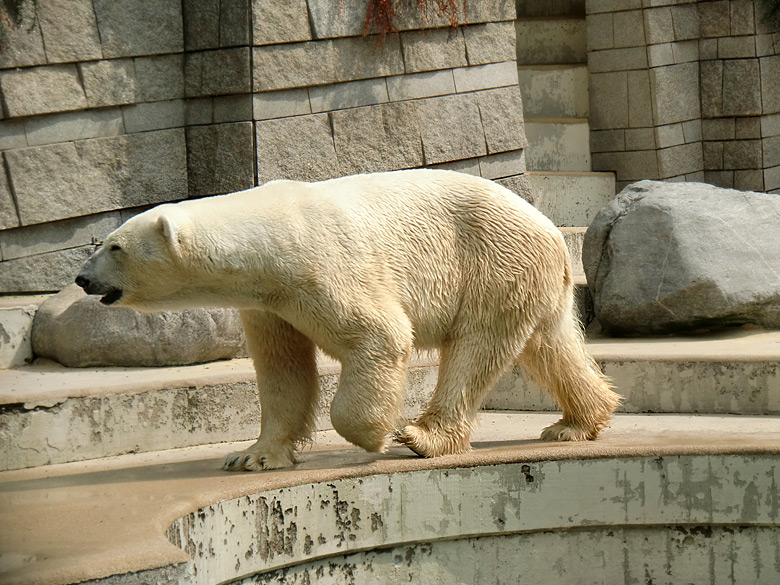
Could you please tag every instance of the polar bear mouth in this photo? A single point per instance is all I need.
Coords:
(111, 296)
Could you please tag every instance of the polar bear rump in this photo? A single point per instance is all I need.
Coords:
(368, 268)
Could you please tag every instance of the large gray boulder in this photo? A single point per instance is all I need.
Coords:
(673, 257)
(78, 331)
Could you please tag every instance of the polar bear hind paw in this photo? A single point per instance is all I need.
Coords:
(428, 443)
(562, 431)
(256, 461)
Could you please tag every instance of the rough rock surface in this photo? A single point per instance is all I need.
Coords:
(674, 257)
(77, 331)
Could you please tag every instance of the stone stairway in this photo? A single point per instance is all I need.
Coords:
(553, 78)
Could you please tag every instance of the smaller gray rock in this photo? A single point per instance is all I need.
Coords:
(77, 331)
(663, 258)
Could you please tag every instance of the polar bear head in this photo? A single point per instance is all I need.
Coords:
(139, 264)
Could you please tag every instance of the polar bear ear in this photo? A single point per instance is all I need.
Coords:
(170, 232)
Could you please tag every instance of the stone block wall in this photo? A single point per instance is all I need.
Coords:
(685, 90)
(112, 106)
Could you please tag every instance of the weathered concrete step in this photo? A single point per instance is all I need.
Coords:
(558, 144)
(571, 199)
(733, 372)
(51, 414)
(554, 91)
(570, 8)
(175, 517)
(550, 40)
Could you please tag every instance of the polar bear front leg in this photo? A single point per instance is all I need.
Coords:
(288, 386)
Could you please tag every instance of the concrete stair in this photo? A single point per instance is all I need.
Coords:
(553, 78)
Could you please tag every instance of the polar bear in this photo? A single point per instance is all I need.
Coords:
(367, 268)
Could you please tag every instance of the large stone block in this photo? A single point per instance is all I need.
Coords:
(137, 27)
(98, 123)
(378, 138)
(220, 72)
(628, 166)
(58, 235)
(490, 43)
(299, 147)
(420, 85)
(286, 21)
(600, 31)
(741, 87)
(160, 77)
(451, 128)
(109, 83)
(711, 88)
(320, 62)
(501, 111)
(22, 40)
(429, 50)
(626, 59)
(220, 158)
(640, 99)
(279, 104)
(685, 18)
(214, 24)
(76, 330)
(669, 257)
(8, 216)
(201, 24)
(608, 100)
(742, 154)
(485, 76)
(42, 90)
(714, 18)
(48, 272)
(12, 134)
(658, 25)
(770, 84)
(676, 93)
(235, 23)
(69, 30)
(680, 160)
(111, 173)
(153, 116)
(629, 29)
(351, 94)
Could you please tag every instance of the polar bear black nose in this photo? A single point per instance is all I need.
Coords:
(82, 281)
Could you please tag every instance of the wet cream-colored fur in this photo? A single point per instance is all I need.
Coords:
(367, 268)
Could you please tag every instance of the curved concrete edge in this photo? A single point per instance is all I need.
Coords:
(124, 506)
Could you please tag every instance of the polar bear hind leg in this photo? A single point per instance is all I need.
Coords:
(288, 387)
(469, 365)
(555, 357)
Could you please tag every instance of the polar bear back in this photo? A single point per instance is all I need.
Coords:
(430, 241)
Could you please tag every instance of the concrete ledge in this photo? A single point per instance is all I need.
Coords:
(175, 516)
(50, 414)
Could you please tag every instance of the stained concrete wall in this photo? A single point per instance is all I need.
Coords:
(702, 519)
(685, 90)
(109, 107)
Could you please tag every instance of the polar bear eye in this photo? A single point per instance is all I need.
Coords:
(115, 247)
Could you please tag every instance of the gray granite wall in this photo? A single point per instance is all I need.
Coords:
(109, 107)
(685, 90)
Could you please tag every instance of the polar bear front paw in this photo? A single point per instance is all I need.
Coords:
(562, 431)
(253, 460)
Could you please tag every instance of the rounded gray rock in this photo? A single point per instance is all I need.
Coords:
(76, 330)
(666, 258)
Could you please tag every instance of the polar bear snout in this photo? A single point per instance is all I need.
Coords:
(109, 294)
